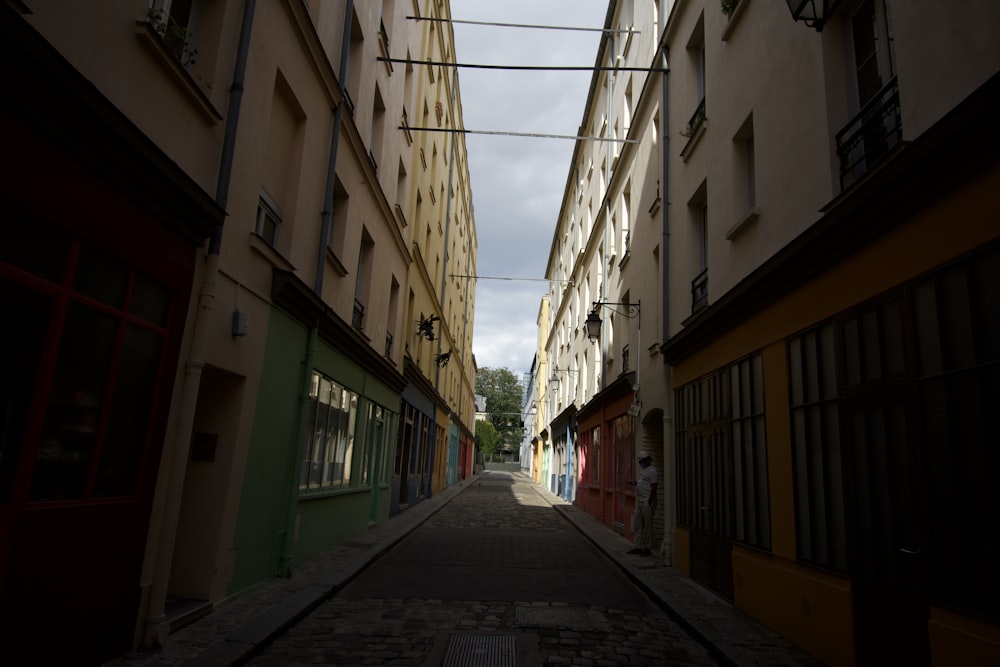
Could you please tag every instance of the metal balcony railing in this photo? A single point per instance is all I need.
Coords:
(869, 135)
(358, 318)
(699, 291)
(696, 120)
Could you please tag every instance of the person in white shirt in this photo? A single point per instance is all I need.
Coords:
(645, 504)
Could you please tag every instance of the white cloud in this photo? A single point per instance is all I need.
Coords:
(517, 182)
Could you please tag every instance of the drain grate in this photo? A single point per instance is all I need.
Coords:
(487, 650)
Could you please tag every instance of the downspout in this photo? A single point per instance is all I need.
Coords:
(664, 190)
(465, 330)
(305, 382)
(331, 170)
(607, 209)
(669, 459)
(284, 566)
(447, 224)
(155, 630)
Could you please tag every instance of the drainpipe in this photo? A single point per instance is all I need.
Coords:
(331, 170)
(155, 630)
(285, 560)
(447, 224)
(607, 208)
(668, 430)
(664, 189)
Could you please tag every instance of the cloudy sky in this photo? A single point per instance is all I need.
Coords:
(517, 182)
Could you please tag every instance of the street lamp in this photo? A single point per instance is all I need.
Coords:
(593, 322)
(814, 13)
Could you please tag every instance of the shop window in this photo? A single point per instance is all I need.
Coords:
(107, 340)
(956, 321)
(722, 485)
(329, 453)
(816, 449)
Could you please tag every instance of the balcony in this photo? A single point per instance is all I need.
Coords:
(699, 291)
(870, 135)
(358, 318)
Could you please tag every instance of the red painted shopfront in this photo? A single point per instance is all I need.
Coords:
(607, 456)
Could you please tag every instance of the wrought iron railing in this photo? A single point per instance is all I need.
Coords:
(870, 134)
(358, 318)
(696, 119)
(699, 291)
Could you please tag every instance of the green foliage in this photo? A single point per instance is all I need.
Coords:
(504, 395)
(487, 438)
(729, 6)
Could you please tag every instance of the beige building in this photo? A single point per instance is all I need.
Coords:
(824, 251)
(220, 298)
(442, 239)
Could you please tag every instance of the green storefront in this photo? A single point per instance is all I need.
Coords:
(320, 462)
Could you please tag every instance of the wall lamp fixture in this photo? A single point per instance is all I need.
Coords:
(554, 380)
(593, 321)
(814, 13)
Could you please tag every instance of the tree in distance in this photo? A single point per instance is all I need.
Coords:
(504, 395)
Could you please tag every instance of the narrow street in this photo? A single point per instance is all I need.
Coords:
(497, 577)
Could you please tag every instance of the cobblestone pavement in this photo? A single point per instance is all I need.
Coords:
(313, 600)
(351, 629)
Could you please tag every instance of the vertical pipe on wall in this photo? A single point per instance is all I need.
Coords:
(285, 561)
(154, 631)
(669, 458)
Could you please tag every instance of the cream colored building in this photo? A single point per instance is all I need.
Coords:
(610, 393)
(441, 235)
(817, 280)
(244, 256)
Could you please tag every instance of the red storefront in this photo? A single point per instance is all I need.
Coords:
(100, 238)
(607, 456)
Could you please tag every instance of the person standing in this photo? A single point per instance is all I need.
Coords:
(645, 504)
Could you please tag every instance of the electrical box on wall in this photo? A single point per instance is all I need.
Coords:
(241, 323)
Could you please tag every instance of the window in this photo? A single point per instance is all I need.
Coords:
(698, 207)
(362, 286)
(377, 129)
(876, 127)
(268, 219)
(753, 524)
(176, 21)
(745, 168)
(590, 442)
(956, 320)
(722, 485)
(329, 451)
(112, 327)
(816, 451)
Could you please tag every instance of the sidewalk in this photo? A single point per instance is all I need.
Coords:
(239, 629)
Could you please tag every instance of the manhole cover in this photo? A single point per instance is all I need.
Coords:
(488, 650)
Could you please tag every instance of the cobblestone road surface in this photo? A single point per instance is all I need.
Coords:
(497, 577)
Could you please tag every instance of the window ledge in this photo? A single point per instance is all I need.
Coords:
(334, 261)
(734, 19)
(154, 43)
(693, 139)
(263, 248)
(624, 260)
(748, 219)
(655, 207)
